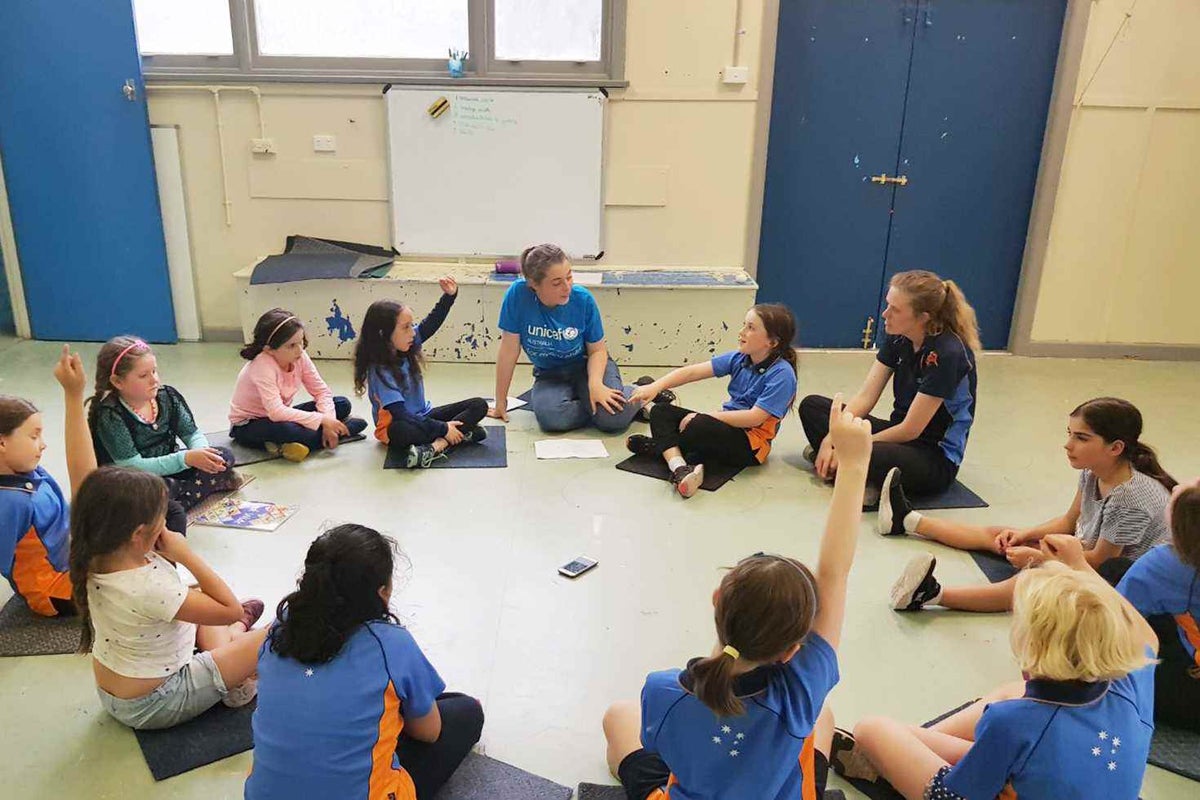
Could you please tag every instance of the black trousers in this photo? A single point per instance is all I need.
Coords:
(1176, 678)
(259, 432)
(705, 439)
(924, 468)
(470, 413)
(430, 764)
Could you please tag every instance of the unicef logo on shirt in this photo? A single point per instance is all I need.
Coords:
(570, 334)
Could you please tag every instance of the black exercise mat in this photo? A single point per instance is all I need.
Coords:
(483, 778)
(994, 566)
(290, 267)
(490, 453)
(371, 261)
(243, 456)
(1176, 750)
(715, 475)
(24, 633)
(957, 496)
(218, 733)
(594, 791)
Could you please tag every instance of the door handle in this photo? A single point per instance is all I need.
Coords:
(885, 179)
(130, 90)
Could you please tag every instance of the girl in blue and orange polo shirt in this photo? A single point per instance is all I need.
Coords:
(35, 522)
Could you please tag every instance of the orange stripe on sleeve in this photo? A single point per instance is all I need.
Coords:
(387, 782)
(808, 770)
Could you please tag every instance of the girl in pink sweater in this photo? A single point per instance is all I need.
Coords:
(261, 412)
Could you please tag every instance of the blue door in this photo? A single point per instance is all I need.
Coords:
(976, 114)
(79, 172)
(966, 118)
(841, 70)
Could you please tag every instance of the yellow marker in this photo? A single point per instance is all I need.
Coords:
(439, 107)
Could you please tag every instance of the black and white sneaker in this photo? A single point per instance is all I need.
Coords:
(809, 454)
(687, 479)
(474, 435)
(893, 506)
(848, 760)
(420, 456)
(916, 586)
(666, 396)
(641, 445)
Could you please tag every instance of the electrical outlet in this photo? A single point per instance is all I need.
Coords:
(735, 75)
(266, 146)
(324, 144)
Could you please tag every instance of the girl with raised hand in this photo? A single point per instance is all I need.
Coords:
(929, 356)
(261, 412)
(388, 366)
(1079, 725)
(161, 653)
(139, 422)
(749, 720)
(348, 704)
(1118, 513)
(34, 517)
(762, 388)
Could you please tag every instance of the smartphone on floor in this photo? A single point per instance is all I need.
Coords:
(577, 567)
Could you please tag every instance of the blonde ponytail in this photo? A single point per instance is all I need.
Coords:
(943, 301)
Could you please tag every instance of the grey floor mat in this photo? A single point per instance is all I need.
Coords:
(483, 778)
(218, 733)
(594, 791)
(24, 633)
(1176, 750)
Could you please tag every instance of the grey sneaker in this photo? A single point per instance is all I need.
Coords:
(420, 456)
(809, 454)
(687, 479)
(893, 506)
(916, 586)
(474, 435)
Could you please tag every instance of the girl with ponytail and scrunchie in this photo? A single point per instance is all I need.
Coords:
(749, 721)
(1119, 512)
(348, 705)
(929, 356)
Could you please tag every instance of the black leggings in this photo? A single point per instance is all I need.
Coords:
(705, 439)
(470, 413)
(924, 469)
(1176, 678)
(260, 432)
(430, 764)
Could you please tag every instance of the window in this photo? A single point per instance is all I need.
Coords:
(529, 42)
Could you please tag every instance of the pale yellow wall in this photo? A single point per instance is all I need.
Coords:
(1123, 258)
(678, 156)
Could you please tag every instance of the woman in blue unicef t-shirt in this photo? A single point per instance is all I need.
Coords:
(575, 383)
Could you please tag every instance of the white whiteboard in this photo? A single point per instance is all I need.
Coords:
(496, 172)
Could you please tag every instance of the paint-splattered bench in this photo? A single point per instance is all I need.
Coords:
(652, 317)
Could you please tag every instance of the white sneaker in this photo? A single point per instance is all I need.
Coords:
(241, 694)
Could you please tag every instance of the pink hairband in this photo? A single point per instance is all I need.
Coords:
(136, 343)
(276, 330)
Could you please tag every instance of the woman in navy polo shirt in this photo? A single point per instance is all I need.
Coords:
(575, 382)
(762, 387)
(929, 353)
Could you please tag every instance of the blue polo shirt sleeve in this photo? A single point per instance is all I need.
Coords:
(383, 387)
(999, 746)
(1147, 584)
(779, 387)
(417, 682)
(889, 352)
(593, 325)
(809, 678)
(659, 695)
(510, 308)
(943, 368)
(722, 365)
(1139, 685)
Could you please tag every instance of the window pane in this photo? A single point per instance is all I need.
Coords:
(173, 27)
(548, 30)
(361, 28)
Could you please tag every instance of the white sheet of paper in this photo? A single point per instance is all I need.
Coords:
(512, 403)
(570, 448)
(588, 278)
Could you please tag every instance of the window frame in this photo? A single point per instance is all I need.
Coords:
(246, 64)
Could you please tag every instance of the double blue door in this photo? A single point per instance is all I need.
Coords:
(905, 134)
(75, 144)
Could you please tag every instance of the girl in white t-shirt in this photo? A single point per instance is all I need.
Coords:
(161, 653)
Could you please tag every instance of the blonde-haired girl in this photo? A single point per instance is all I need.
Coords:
(929, 356)
(1079, 726)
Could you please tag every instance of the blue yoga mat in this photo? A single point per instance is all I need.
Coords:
(492, 452)
(995, 567)
(957, 496)
(218, 733)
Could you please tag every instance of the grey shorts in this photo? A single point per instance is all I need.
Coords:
(196, 687)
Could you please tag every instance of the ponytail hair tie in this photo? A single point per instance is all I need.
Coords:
(732, 652)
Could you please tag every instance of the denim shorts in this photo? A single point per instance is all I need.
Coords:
(196, 687)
